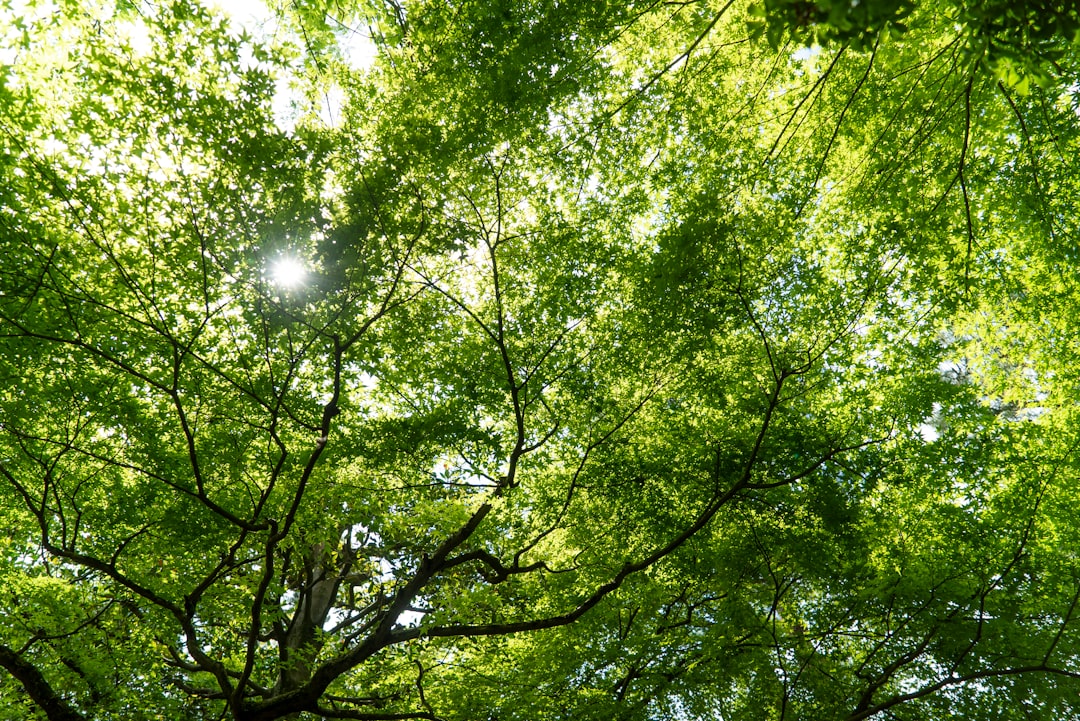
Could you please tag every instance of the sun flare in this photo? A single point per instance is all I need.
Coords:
(288, 272)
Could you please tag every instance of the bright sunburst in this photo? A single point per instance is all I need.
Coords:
(288, 272)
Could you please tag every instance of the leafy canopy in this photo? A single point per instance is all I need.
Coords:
(636, 360)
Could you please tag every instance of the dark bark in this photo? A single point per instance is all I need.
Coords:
(37, 687)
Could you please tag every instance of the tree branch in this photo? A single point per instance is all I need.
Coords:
(37, 687)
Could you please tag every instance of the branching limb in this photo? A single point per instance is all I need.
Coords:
(37, 687)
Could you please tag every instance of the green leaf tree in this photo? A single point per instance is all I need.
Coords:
(568, 360)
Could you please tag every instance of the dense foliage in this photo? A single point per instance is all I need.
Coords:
(653, 360)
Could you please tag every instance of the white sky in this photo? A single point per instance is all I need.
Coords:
(255, 17)
(247, 13)
(258, 20)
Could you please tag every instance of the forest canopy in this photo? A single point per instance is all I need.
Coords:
(402, 359)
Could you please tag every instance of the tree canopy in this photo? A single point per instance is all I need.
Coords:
(563, 360)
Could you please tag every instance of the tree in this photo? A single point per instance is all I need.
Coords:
(646, 364)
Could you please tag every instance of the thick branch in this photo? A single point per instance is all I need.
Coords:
(35, 685)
